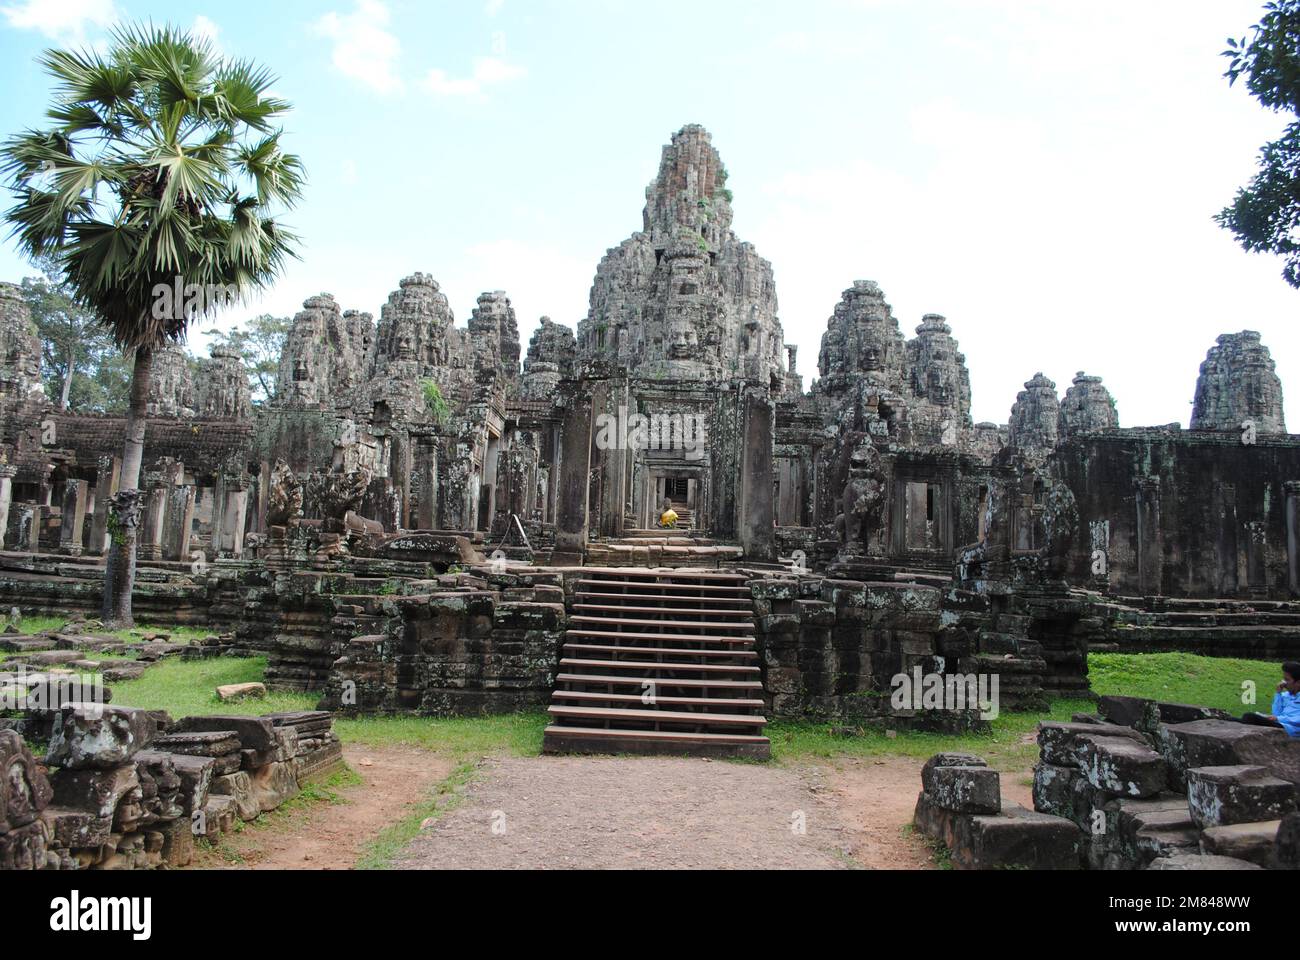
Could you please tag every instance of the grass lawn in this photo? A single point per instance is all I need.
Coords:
(189, 687)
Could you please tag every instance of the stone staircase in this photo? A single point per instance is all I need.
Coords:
(1226, 627)
(659, 662)
(662, 548)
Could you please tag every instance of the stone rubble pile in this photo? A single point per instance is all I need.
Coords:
(961, 807)
(1168, 786)
(122, 788)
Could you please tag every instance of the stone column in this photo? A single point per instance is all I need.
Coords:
(757, 535)
(1149, 541)
(27, 528)
(234, 515)
(72, 519)
(571, 508)
(106, 480)
(1292, 488)
(179, 524)
(6, 498)
(152, 516)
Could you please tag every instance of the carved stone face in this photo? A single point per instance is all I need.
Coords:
(874, 360)
(683, 342)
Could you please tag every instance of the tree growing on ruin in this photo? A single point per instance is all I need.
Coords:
(259, 343)
(160, 166)
(1265, 216)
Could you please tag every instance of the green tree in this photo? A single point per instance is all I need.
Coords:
(1265, 216)
(79, 361)
(259, 343)
(160, 171)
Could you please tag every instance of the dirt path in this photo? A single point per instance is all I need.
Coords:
(877, 796)
(333, 836)
(602, 813)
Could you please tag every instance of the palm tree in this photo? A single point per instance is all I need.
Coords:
(161, 170)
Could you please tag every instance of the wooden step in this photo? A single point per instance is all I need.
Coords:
(657, 716)
(698, 611)
(641, 665)
(602, 679)
(746, 601)
(726, 703)
(702, 638)
(688, 624)
(583, 648)
(564, 739)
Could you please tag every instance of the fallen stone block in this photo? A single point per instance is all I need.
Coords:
(1217, 796)
(1225, 743)
(196, 780)
(123, 671)
(254, 733)
(97, 792)
(1287, 853)
(273, 785)
(239, 788)
(1123, 711)
(1054, 791)
(96, 735)
(1017, 838)
(216, 743)
(1256, 842)
(1059, 742)
(19, 644)
(964, 789)
(1192, 861)
(76, 829)
(1121, 766)
(241, 691)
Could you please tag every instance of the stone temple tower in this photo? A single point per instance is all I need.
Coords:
(685, 299)
(1238, 382)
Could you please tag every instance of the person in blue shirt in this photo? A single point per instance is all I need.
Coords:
(1286, 704)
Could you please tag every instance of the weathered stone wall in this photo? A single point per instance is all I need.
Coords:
(1184, 514)
(123, 788)
(467, 652)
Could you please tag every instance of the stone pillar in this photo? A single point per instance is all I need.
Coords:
(153, 512)
(106, 480)
(234, 515)
(1292, 536)
(1150, 552)
(571, 508)
(757, 535)
(27, 528)
(179, 524)
(613, 463)
(72, 520)
(6, 497)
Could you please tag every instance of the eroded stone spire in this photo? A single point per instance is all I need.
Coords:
(1087, 407)
(1238, 382)
(1035, 418)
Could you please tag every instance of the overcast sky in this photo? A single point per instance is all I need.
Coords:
(1041, 172)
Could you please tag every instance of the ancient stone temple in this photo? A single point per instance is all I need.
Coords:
(429, 517)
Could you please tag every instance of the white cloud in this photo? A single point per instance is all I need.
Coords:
(487, 72)
(61, 19)
(364, 49)
(205, 29)
(494, 7)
